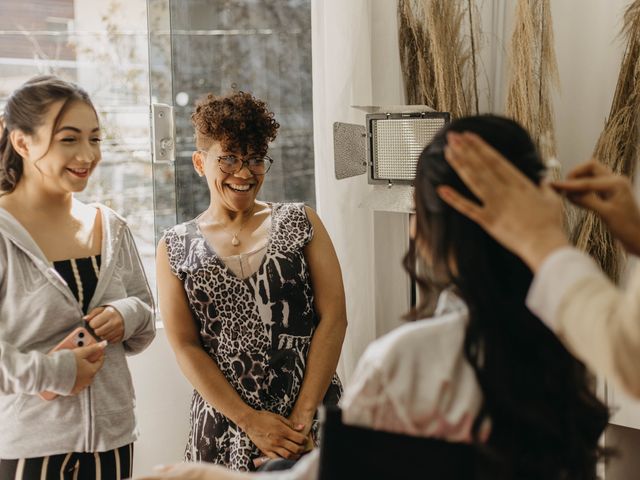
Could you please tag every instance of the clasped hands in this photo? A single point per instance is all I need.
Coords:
(277, 436)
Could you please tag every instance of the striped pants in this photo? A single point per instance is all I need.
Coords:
(111, 465)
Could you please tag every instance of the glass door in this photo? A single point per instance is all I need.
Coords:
(198, 47)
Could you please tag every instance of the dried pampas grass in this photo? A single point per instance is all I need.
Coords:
(533, 76)
(438, 60)
(617, 146)
(412, 57)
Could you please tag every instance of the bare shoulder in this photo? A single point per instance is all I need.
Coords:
(312, 215)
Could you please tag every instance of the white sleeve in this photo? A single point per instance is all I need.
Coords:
(34, 372)
(365, 399)
(559, 273)
(137, 308)
(391, 389)
(596, 320)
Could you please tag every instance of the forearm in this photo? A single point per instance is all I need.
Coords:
(207, 378)
(322, 361)
(595, 320)
(601, 324)
(34, 372)
(139, 323)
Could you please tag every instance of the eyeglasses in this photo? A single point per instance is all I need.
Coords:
(230, 164)
(257, 164)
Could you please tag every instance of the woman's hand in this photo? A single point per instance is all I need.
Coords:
(525, 218)
(595, 187)
(195, 471)
(305, 419)
(89, 361)
(107, 323)
(274, 435)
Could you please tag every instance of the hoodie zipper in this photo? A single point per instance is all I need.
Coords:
(86, 395)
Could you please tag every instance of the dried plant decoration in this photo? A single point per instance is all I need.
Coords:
(438, 40)
(617, 146)
(533, 75)
(414, 55)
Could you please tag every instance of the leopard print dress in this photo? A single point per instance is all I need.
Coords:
(257, 330)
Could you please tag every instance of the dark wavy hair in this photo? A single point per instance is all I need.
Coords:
(239, 121)
(546, 420)
(25, 111)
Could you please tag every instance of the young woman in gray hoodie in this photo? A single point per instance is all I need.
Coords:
(64, 264)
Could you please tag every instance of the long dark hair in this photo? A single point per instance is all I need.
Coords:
(545, 418)
(25, 111)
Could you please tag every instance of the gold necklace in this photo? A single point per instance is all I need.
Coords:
(235, 241)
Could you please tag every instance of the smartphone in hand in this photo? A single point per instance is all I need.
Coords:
(80, 337)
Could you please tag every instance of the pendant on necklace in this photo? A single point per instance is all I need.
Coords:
(235, 241)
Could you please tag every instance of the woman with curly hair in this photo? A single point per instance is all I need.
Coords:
(252, 299)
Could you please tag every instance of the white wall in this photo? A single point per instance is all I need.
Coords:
(341, 46)
(589, 52)
(162, 406)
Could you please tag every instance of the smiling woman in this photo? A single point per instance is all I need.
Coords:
(75, 148)
(252, 299)
(68, 270)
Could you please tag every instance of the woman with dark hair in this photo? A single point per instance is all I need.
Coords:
(481, 368)
(544, 419)
(64, 265)
(252, 299)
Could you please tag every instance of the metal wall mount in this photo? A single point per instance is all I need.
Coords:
(349, 150)
(163, 133)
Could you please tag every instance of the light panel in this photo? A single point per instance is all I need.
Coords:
(396, 141)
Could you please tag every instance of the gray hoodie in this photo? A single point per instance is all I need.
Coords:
(37, 310)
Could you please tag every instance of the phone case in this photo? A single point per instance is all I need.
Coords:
(80, 337)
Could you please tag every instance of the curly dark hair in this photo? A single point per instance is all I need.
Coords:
(546, 420)
(239, 121)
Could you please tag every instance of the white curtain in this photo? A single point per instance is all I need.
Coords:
(341, 44)
(356, 63)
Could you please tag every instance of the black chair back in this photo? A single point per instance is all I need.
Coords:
(349, 452)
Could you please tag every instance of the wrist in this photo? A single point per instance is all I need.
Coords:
(540, 248)
(304, 409)
(243, 418)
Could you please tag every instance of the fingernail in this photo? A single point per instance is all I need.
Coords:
(300, 426)
(103, 343)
